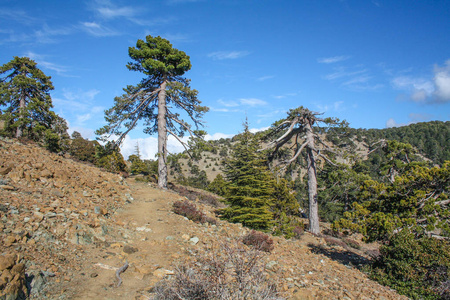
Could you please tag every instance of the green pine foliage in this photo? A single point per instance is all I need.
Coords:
(429, 138)
(110, 158)
(417, 200)
(250, 186)
(285, 208)
(82, 149)
(26, 105)
(340, 187)
(415, 266)
(137, 165)
(218, 186)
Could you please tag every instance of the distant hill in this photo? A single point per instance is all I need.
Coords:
(431, 139)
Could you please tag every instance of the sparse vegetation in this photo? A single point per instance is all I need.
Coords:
(259, 240)
(231, 271)
(189, 210)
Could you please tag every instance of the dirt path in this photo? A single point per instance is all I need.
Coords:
(150, 241)
(154, 240)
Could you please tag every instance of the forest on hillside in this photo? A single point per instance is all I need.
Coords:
(389, 185)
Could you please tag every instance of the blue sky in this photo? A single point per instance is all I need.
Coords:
(376, 64)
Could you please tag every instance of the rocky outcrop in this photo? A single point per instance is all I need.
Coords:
(12, 278)
(49, 206)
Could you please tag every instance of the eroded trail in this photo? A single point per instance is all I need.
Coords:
(148, 237)
(154, 240)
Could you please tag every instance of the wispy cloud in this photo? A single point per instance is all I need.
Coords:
(40, 59)
(115, 12)
(341, 72)
(335, 106)
(285, 95)
(232, 105)
(171, 2)
(211, 108)
(221, 55)
(252, 101)
(358, 79)
(17, 15)
(79, 100)
(229, 103)
(264, 78)
(107, 10)
(332, 60)
(97, 29)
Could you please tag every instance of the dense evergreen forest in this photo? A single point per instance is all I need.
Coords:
(432, 139)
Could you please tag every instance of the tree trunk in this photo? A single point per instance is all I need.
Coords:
(21, 109)
(312, 183)
(162, 137)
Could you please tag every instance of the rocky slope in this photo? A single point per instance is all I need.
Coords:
(67, 227)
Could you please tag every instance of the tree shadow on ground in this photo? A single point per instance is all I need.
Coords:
(343, 256)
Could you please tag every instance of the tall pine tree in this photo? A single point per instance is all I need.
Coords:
(250, 194)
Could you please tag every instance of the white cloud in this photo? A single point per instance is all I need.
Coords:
(255, 130)
(424, 90)
(392, 123)
(148, 147)
(252, 101)
(413, 118)
(114, 12)
(61, 70)
(220, 55)
(218, 136)
(83, 118)
(442, 82)
(263, 78)
(285, 95)
(335, 106)
(343, 72)
(97, 29)
(331, 60)
(229, 103)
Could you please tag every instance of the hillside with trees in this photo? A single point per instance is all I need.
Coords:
(305, 172)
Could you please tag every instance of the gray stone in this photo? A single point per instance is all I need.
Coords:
(194, 240)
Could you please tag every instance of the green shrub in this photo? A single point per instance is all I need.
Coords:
(414, 266)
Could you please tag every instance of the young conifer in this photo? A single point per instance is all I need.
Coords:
(251, 185)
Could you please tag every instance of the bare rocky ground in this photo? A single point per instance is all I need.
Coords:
(67, 227)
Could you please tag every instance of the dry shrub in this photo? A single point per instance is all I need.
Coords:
(230, 271)
(259, 240)
(332, 241)
(352, 243)
(298, 231)
(190, 211)
(202, 196)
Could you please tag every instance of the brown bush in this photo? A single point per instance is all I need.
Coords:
(230, 271)
(332, 241)
(190, 211)
(259, 240)
(202, 196)
(352, 243)
(298, 232)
